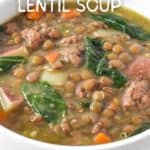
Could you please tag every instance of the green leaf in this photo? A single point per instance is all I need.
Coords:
(45, 101)
(102, 68)
(118, 78)
(97, 62)
(121, 24)
(8, 62)
(93, 53)
(144, 127)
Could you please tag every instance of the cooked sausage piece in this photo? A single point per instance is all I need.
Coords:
(71, 40)
(137, 95)
(32, 37)
(8, 99)
(53, 33)
(139, 68)
(48, 31)
(73, 55)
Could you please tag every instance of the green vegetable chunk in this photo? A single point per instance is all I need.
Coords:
(102, 68)
(121, 24)
(118, 78)
(97, 62)
(8, 62)
(144, 127)
(45, 101)
(93, 53)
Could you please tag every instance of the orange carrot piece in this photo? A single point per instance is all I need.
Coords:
(3, 116)
(71, 14)
(53, 56)
(35, 15)
(102, 138)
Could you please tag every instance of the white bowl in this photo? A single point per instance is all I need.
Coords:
(12, 141)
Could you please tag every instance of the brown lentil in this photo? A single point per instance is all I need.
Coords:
(32, 76)
(108, 46)
(98, 95)
(19, 72)
(58, 65)
(54, 33)
(106, 122)
(105, 81)
(48, 44)
(76, 123)
(108, 113)
(96, 106)
(65, 127)
(118, 48)
(17, 39)
(128, 128)
(112, 56)
(37, 60)
(117, 64)
(89, 84)
(80, 29)
(69, 86)
(136, 119)
(86, 74)
(75, 76)
(135, 49)
(125, 57)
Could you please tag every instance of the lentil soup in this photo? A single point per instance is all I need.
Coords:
(75, 79)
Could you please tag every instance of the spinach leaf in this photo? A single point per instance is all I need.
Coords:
(93, 53)
(45, 101)
(103, 69)
(118, 78)
(8, 62)
(97, 62)
(121, 24)
(144, 127)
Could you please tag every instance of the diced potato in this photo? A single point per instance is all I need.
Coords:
(56, 78)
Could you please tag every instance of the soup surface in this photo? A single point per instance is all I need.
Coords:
(75, 79)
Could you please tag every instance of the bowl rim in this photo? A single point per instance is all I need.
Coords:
(40, 144)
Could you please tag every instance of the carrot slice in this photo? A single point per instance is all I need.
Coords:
(72, 13)
(102, 138)
(35, 15)
(3, 116)
(53, 56)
